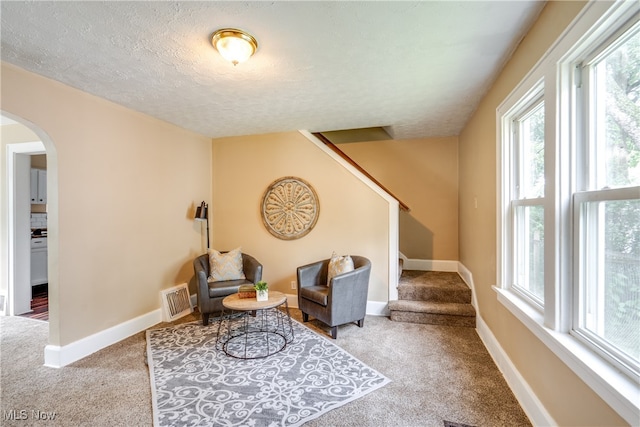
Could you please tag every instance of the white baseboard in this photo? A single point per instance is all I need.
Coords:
(530, 403)
(467, 277)
(59, 356)
(377, 308)
(374, 308)
(292, 300)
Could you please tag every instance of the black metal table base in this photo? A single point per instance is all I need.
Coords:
(254, 334)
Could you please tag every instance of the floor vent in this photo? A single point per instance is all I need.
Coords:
(176, 302)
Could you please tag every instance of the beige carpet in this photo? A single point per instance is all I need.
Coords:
(437, 373)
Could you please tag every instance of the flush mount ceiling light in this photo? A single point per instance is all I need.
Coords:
(235, 46)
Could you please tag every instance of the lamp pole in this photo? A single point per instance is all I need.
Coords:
(206, 214)
(202, 213)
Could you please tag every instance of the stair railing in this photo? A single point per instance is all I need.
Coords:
(353, 163)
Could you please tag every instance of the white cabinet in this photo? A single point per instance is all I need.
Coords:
(39, 255)
(38, 186)
(34, 185)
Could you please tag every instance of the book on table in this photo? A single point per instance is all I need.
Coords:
(247, 291)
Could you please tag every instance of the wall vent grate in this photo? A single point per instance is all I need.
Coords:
(176, 302)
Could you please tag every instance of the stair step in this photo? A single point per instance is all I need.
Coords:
(433, 319)
(434, 286)
(433, 313)
(450, 308)
(425, 292)
(433, 297)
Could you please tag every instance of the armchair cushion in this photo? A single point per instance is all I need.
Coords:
(338, 265)
(317, 294)
(227, 266)
(225, 288)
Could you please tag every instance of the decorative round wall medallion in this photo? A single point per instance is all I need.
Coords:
(290, 208)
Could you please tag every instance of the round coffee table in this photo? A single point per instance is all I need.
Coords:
(252, 329)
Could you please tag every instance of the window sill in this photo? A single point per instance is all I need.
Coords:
(615, 388)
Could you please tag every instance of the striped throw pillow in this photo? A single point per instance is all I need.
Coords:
(225, 266)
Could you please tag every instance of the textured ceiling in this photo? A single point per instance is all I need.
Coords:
(416, 68)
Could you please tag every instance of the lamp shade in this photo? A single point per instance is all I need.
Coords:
(234, 45)
(202, 214)
(202, 211)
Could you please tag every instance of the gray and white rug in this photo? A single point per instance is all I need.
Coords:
(193, 384)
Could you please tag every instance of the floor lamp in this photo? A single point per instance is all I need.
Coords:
(202, 214)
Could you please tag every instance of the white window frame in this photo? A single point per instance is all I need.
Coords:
(595, 342)
(511, 182)
(587, 187)
(595, 23)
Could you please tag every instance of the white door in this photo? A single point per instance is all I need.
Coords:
(22, 236)
(18, 178)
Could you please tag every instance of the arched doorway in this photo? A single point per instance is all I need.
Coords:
(21, 140)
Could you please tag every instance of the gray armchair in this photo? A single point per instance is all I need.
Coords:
(343, 301)
(211, 294)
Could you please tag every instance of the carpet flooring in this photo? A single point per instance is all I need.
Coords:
(437, 373)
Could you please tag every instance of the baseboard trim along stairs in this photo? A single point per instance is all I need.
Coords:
(433, 297)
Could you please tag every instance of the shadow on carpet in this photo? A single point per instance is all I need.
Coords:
(452, 424)
(194, 384)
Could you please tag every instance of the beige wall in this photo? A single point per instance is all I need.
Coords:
(121, 189)
(430, 229)
(568, 400)
(353, 219)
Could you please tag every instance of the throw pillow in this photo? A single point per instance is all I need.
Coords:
(227, 266)
(339, 265)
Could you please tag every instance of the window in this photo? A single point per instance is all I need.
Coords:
(568, 219)
(607, 209)
(527, 200)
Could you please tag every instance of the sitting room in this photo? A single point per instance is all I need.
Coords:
(353, 160)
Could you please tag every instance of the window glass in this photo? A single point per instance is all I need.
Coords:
(531, 142)
(608, 242)
(527, 199)
(529, 248)
(610, 259)
(616, 107)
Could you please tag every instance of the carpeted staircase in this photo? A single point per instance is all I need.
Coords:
(433, 297)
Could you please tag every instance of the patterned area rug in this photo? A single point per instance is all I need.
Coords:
(194, 384)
